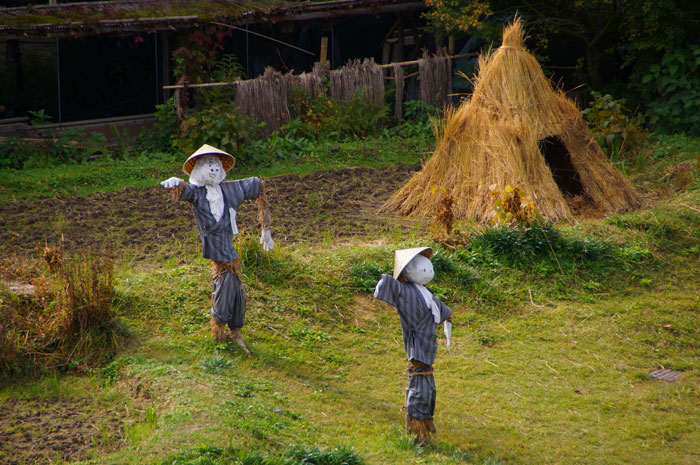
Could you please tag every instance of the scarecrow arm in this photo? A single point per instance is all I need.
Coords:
(264, 218)
(445, 312)
(388, 290)
(176, 186)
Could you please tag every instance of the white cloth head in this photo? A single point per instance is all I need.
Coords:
(419, 270)
(207, 171)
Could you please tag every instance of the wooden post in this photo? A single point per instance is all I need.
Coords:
(451, 45)
(399, 45)
(324, 49)
(165, 62)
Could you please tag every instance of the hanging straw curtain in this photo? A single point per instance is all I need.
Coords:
(435, 75)
(398, 97)
(356, 76)
(264, 99)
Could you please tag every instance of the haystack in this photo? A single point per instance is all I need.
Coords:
(515, 129)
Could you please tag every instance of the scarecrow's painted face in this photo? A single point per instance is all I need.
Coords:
(419, 270)
(207, 171)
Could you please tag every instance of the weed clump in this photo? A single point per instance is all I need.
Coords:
(365, 275)
(294, 455)
(64, 320)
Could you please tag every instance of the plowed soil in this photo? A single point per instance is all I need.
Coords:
(311, 207)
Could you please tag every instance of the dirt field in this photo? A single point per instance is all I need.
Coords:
(304, 208)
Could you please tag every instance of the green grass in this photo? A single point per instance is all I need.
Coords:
(552, 349)
(147, 170)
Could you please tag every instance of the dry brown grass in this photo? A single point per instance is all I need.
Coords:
(493, 139)
(69, 319)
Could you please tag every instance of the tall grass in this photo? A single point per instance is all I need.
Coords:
(66, 320)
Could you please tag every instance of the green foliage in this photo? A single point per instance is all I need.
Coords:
(675, 83)
(294, 455)
(227, 69)
(365, 275)
(166, 126)
(39, 117)
(615, 131)
(327, 118)
(529, 243)
(221, 126)
(455, 16)
(216, 364)
(61, 147)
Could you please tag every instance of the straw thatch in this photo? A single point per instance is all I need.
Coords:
(309, 83)
(365, 77)
(264, 99)
(435, 75)
(516, 129)
(398, 97)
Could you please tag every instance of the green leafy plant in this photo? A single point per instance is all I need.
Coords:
(675, 82)
(222, 126)
(615, 130)
(365, 275)
(39, 117)
(325, 117)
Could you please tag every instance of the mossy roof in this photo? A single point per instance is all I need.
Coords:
(120, 16)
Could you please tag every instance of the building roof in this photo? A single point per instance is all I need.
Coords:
(123, 16)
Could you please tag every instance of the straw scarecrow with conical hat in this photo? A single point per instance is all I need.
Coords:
(420, 312)
(515, 129)
(214, 204)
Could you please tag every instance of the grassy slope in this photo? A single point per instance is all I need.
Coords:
(547, 366)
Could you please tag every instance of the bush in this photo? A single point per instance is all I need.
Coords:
(611, 124)
(60, 147)
(675, 84)
(325, 117)
(221, 126)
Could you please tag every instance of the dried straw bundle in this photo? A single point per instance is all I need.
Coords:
(264, 99)
(435, 75)
(309, 83)
(493, 139)
(356, 76)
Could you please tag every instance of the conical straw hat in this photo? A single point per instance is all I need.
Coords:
(404, 256)
(227, 159)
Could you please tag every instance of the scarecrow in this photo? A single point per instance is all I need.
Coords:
(420, 312)
(214, 204)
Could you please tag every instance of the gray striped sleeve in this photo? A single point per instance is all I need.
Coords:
(189, 192)
(388, 290)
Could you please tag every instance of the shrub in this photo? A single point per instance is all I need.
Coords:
(222, 126)
(325, 117)
(611, 124)
(675, 85)
(60, 147)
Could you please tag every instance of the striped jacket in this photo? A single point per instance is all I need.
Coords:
(417, 322)
(217, 236)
